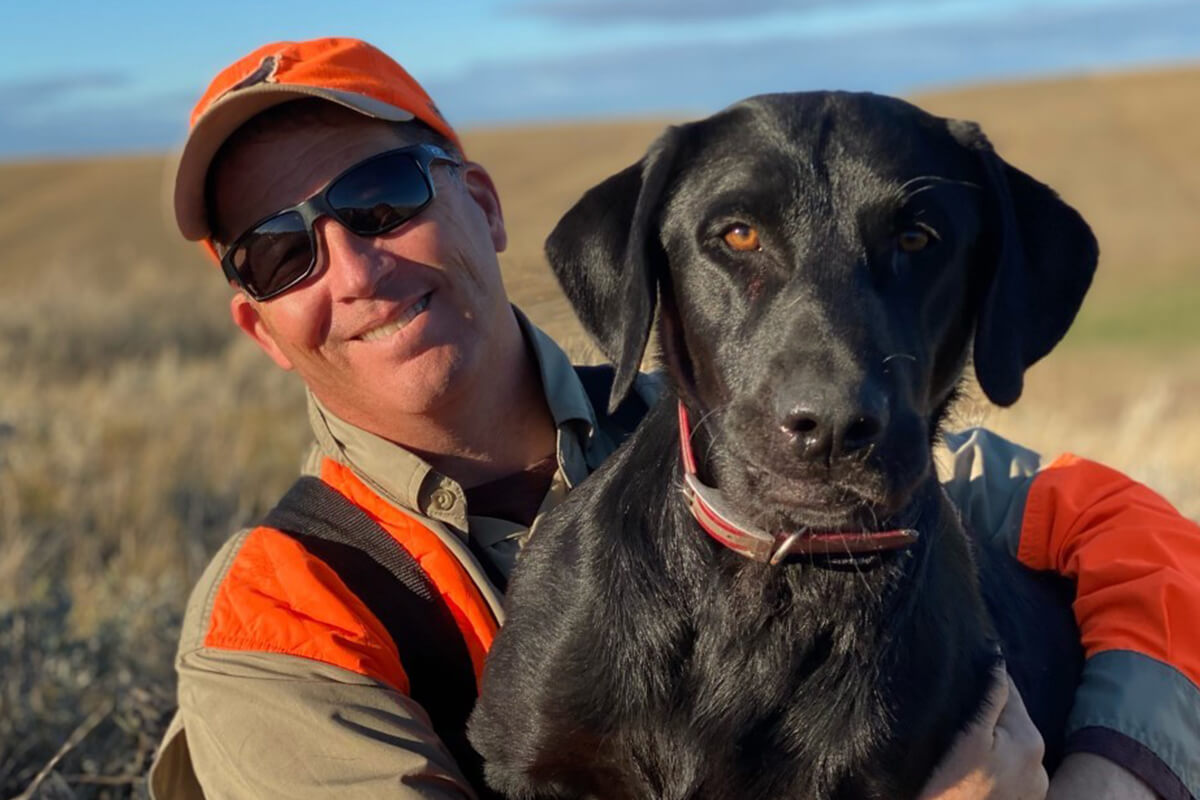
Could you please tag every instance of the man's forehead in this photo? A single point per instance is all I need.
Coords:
(273, 168)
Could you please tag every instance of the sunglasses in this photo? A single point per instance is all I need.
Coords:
(370, 198)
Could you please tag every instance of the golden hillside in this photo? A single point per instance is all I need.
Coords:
(1119, 147)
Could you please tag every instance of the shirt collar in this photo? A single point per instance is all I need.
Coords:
(564, 393)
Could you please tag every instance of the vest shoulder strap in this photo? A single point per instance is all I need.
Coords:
(597, 383)
(390, 582)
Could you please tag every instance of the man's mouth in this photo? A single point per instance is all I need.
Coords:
(389, 328)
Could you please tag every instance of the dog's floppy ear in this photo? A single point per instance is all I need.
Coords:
(1046, 256)
(607, 257)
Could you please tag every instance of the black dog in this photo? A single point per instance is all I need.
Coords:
(822, 263)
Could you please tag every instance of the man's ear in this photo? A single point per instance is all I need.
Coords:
(608, 258)
(483, 191)
(1045, 256)
(246, 316)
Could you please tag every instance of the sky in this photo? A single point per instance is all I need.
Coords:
(80, 77)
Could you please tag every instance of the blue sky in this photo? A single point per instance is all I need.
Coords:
(93, 77)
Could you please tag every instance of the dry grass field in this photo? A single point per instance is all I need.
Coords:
(137, 432)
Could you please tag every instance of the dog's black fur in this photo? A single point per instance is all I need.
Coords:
(640, 658)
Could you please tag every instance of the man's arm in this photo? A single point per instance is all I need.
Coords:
(1083, 775)
(265, 725)
(290, 687)
(1135, 562)
(1000, 758)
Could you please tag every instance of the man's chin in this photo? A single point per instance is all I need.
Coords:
(368, 389)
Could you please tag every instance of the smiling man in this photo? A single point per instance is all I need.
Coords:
(410, 335)
(336, 648)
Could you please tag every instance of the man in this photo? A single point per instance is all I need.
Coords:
(363, 249)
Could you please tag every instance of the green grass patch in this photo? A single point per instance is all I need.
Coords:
(1159, 317)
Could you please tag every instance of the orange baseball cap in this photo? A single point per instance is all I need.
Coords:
(348, 72)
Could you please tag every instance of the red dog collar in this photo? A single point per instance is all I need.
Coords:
(714, 515)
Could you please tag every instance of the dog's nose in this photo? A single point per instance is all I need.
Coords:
(828, 430)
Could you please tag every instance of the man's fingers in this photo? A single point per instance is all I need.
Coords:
(1016, 723)
(996, 700)
(1014, 714)
(998, 757)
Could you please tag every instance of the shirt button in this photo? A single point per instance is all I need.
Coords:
(443, 499)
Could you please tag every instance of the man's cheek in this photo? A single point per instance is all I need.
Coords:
(303, 325)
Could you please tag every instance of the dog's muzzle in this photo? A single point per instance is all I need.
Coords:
(714, 514)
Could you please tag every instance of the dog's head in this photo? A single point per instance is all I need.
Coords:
(822, 263)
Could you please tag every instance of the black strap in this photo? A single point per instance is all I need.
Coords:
(597, 383)
(388, 580)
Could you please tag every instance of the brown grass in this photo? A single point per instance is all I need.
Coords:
(136, 431)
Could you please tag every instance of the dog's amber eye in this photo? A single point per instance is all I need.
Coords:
(913, 240)
(742, 238)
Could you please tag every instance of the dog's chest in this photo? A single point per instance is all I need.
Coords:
(778, 694)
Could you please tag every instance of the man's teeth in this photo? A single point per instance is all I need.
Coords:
(384, 331)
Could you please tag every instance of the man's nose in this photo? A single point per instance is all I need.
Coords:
(354, 263)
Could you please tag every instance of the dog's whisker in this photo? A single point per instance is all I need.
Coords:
(937, 179)
(703, 419)
(904, 195)
(904, 186)
(797, 300)
(910, 195)
(891, 356)
(710, 414)
(711, 443)
(854, 561)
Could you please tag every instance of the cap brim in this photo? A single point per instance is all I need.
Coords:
(228, 114)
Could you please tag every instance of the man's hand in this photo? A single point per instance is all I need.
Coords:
(997, 758)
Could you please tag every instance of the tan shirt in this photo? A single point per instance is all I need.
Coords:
(262, 724)
(440, 502)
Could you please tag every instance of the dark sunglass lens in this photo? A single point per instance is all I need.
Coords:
(274, 255)
(380, 194)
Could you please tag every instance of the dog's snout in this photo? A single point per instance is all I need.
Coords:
(823, 427)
